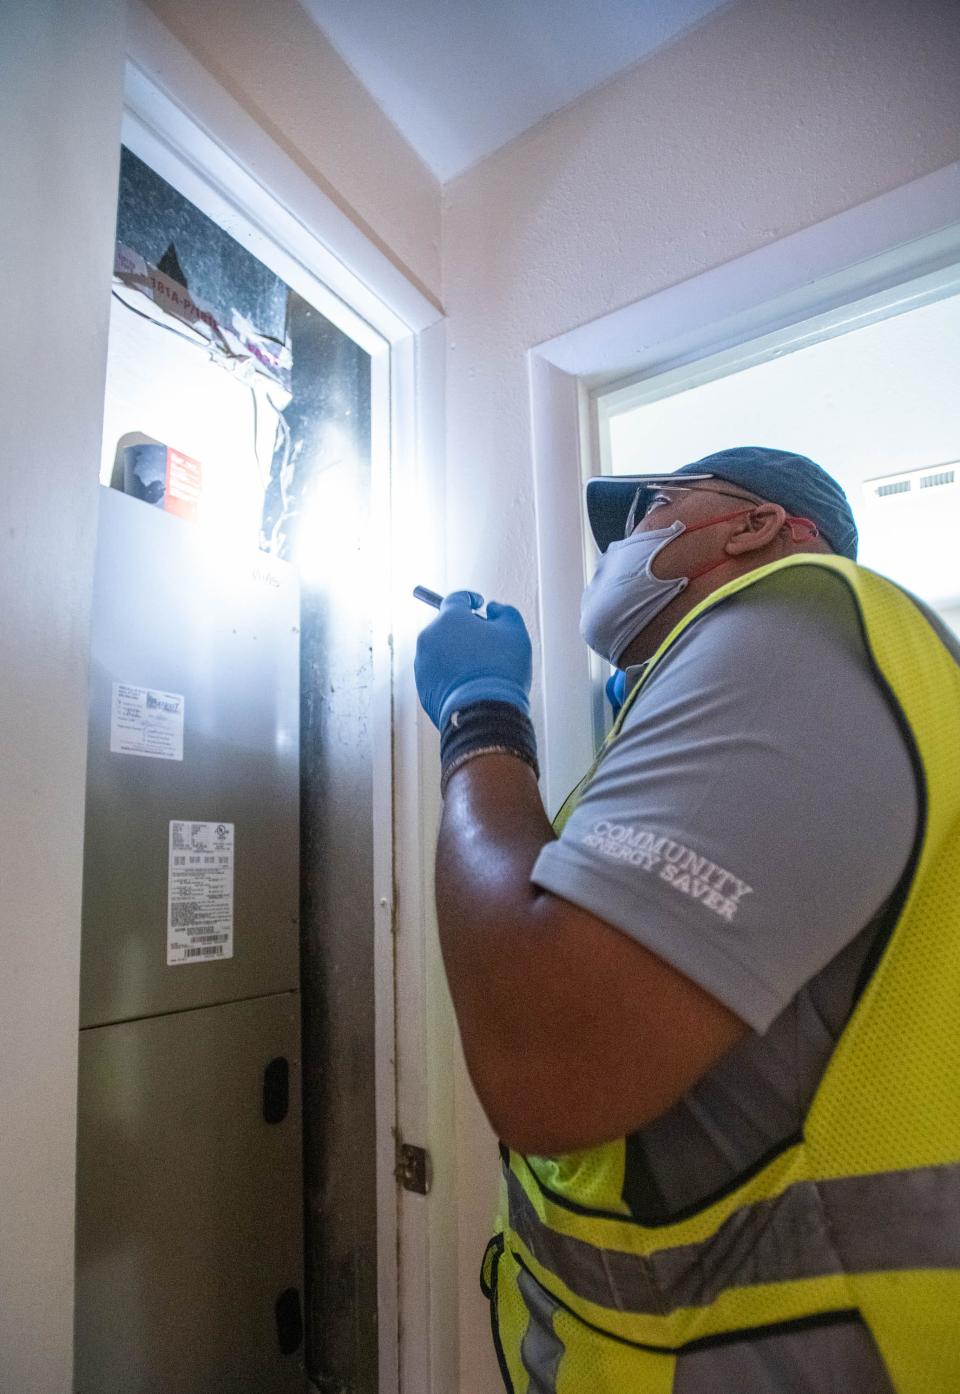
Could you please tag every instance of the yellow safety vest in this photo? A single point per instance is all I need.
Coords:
(859, 1221)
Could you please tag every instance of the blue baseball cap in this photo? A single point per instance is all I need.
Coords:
(798, 484)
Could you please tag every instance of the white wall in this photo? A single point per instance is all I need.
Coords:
(769, 118)
(274, 61)
(60, 86)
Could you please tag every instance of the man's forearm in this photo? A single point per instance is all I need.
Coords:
(492, 934)
(492, 830)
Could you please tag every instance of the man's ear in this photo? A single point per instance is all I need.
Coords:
(757, 530)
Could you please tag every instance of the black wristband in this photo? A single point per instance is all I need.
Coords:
(486, 728)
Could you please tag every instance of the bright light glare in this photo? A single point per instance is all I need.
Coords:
(328, 545)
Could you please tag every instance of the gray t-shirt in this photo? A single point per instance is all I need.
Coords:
(749, 824)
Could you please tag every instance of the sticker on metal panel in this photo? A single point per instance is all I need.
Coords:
(200, 893)
(146, 722)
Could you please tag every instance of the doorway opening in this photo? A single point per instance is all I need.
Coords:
(246, 416)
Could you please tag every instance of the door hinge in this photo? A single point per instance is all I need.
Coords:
(413, 1169)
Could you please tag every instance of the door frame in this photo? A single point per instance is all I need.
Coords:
(184, 124)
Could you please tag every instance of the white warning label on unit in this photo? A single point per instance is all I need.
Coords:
(146, 722)
(200, 896)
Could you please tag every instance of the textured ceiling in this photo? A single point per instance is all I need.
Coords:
(460, 78)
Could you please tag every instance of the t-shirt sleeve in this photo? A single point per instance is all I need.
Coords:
(759, 805)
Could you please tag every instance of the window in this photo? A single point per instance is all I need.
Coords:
(875, 404)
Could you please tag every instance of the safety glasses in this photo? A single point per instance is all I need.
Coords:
(643, 499)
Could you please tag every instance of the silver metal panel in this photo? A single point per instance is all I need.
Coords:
(172, 612)
(189, 1219)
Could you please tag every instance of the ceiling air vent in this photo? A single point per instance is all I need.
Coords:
(933, 481)
(894, 486)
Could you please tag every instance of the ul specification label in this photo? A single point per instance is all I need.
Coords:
(146, 722)
(200, 898)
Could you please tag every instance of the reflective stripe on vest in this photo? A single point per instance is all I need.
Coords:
(541, 1348)
(811, 1230)
(855, 1225)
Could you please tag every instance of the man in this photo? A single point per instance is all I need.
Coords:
(714, 1012)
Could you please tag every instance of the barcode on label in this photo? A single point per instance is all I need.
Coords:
(209, 938)
(211, 951)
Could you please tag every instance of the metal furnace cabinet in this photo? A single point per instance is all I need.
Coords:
(189, 1223)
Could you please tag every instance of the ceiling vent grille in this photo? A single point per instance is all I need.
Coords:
(933, 481)
(896, 486)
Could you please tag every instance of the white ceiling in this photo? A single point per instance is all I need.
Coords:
(459, 78)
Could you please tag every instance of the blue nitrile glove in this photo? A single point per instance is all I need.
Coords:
(615, 687)
(462, 658)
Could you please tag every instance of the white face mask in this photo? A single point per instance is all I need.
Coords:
(624, 595)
